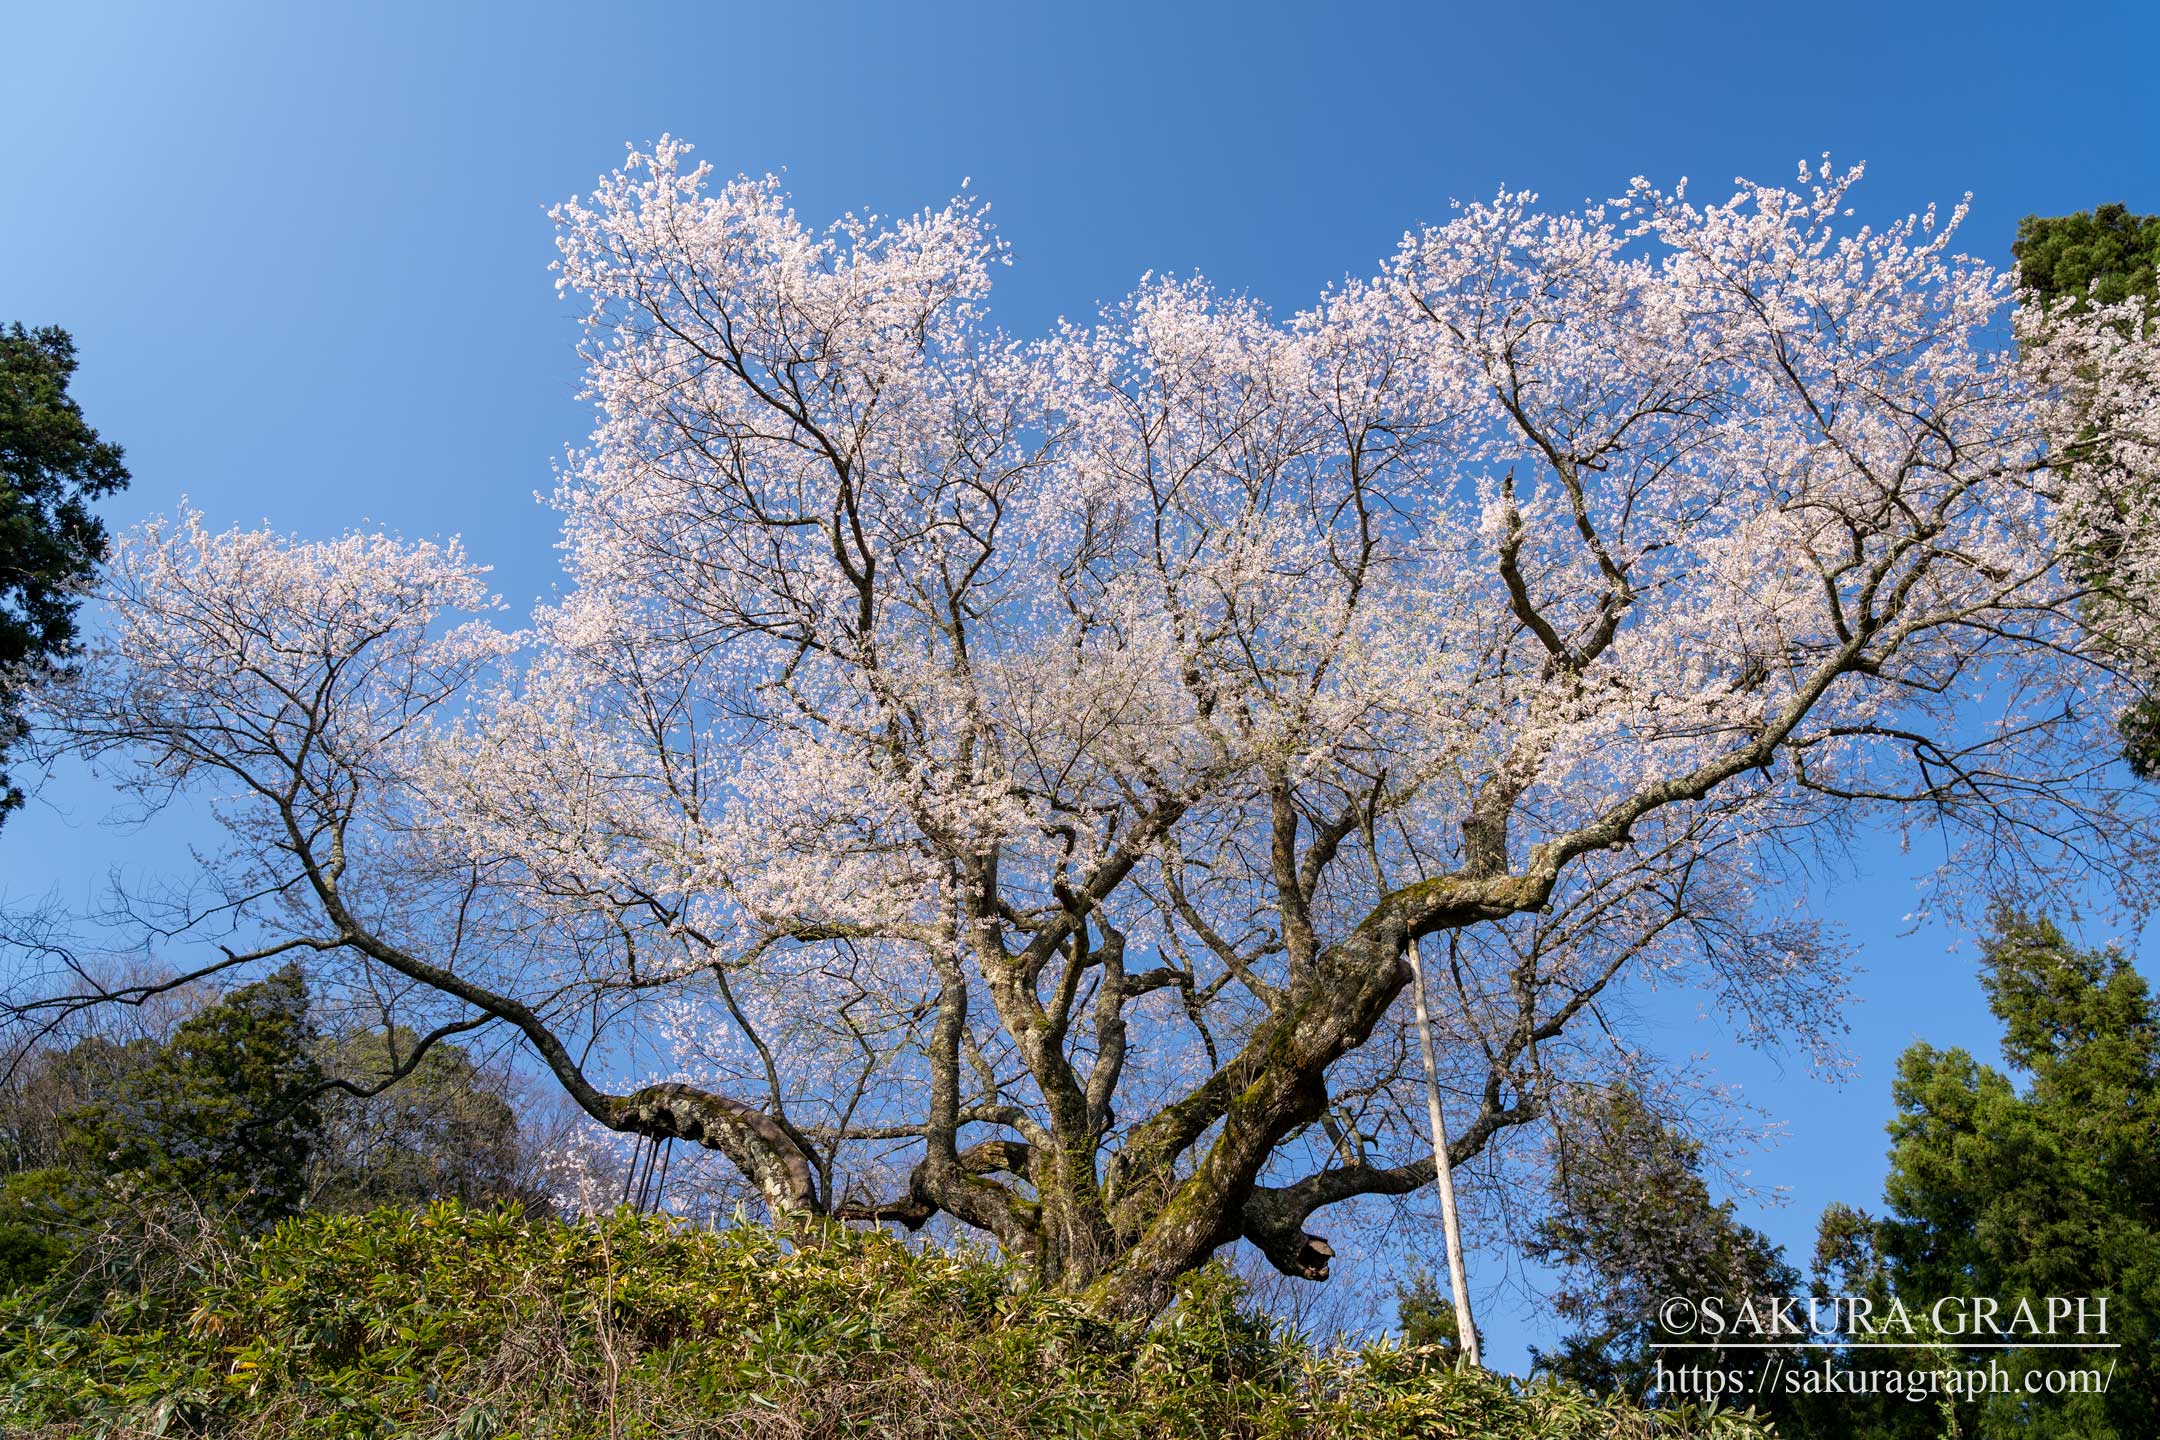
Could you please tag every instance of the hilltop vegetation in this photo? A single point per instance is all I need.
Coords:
(475, 1323)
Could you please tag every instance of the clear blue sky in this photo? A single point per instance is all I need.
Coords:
(303, 248)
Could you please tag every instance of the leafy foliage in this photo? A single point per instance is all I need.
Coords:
(444, 1131)
(50, 1086)
(2049, 1190)
(35, 1208)
(2101, 257)
(234, 1111)
(1633, 1224)
(221, 1116)
(1425, 1314)
(457, 1322)
(52, 465)
(226, 1111)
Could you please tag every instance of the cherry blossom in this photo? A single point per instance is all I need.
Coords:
(1018, 769)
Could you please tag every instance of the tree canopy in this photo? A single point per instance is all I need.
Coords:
(2108, 259)
(1004, 777)
(2051, 1187)
(1634, 1225)
(52, 465)
(2103, 256)
(442, 1129)
(244, 1112)
(225, 1112)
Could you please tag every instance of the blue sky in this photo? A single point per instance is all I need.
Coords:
(304, 248)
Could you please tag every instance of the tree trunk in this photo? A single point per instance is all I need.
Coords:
(1274, 1086)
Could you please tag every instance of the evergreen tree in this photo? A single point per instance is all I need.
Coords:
(1633, 1227)
(2102, 256)
(226, 1114)
(1426, 1315)
(2048, 1190)
(52, 465)
(48, 1086)
(445, 1131)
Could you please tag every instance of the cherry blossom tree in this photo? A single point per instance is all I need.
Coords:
(1023, 766)
(2099, 368)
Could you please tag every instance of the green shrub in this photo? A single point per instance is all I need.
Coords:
(35, 1206)
(471, 1324)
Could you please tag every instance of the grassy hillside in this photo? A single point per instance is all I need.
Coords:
(473, 1324)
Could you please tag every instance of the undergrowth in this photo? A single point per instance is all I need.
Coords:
(466, 1325)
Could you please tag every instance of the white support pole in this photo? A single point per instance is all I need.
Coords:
(1443, 1172)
